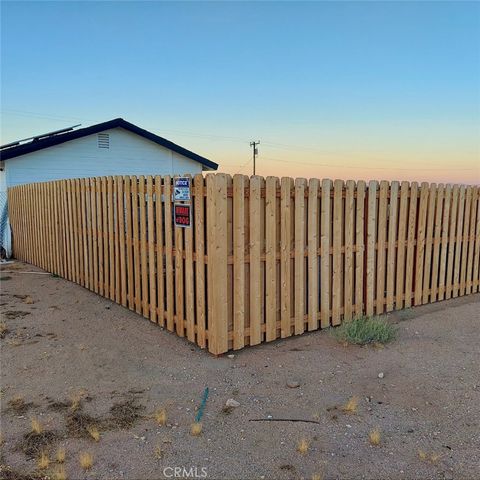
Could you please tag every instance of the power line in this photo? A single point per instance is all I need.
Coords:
(253, 144)
(361, 167)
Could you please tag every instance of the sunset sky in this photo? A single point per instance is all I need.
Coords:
(351, 90)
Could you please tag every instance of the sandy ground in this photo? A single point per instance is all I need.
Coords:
(70, 340)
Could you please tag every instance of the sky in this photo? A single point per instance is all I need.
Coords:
(350, 90)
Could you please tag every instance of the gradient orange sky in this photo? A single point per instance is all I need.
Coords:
(350, 90)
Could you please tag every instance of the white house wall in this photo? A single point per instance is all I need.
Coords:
(129, 154)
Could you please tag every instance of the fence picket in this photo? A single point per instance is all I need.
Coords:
(360, 247)
(466, 231)
(337, 264)
(199, 187)
(152, 307)
(392, 240)
(129, 240)
(121, 239)
(169, 279)
(137, 287)
(451, 240)
(299, 281)
(427, 274)
(159, 221)
(458, 243)
(471, 243)
(371, 240)
(381, 244)
(189, 284)
(142, 206)
(476, 255)
(325, 264)
(444, 243)
(412, 222)
(270, 258)
(437, 233)
(313, 246)
(256, 292)
(285, 249)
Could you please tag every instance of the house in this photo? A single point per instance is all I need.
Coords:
(116, 147)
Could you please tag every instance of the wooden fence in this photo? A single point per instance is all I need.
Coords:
(264, 259)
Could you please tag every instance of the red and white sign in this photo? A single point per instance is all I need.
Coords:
(182, 215)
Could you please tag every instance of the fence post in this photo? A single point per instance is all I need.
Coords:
(217, 263)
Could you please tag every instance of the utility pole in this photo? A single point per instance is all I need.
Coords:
(255, 152)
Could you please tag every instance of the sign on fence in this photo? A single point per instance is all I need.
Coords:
(181, 189)
(182, 216)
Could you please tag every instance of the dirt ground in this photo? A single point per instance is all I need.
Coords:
(65, 341)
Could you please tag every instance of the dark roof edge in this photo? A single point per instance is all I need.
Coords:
(100, 127)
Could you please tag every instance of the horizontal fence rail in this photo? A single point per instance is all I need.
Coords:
(263, 259)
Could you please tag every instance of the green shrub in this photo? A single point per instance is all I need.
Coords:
(363, 330)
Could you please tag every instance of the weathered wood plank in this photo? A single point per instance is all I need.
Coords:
(285, 249)
(371, 240)
(270, 258)
(412, 222)
(300, 184)
(360, 247)
(381, 243)
(152, 273)
(256, 291)
(313, 246)
(325, 262)
(201, 313)
(337, 264)
(392, 240)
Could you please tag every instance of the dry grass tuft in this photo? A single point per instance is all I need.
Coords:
(33, 443)
(161, 416)
(316, 476)
(124, 414)
(351, 405)
(3, 329)
(374, 437)
(43, 461)
(12, 314)
(75, 402)
(435, 457)
(60, 455)
(58, 406)
(94, 433)
(59, 473)
(196, 429)
(78, 424)
(18, 405)
(36, 426)
(303, 446)
(158, 452)
(86, 460)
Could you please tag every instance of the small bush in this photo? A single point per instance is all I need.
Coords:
(363, 330)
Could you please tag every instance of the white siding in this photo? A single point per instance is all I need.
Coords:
(129, 154)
